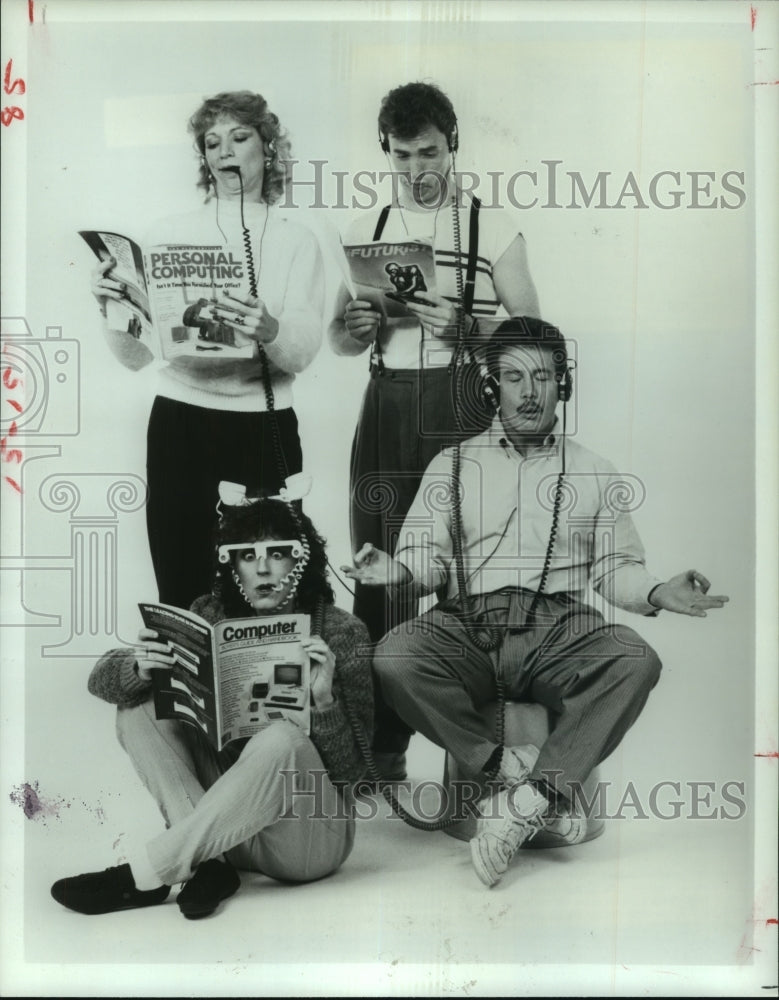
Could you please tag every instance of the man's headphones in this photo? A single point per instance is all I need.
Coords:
(452, 140)
(565, 385)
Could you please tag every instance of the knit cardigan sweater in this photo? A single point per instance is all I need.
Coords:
(115, 679)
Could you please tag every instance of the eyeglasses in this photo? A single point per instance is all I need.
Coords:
(269, 550)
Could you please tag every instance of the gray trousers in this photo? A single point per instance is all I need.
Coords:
(594, 678)
(236, 801)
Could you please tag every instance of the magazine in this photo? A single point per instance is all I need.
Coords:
(234, 678)
(169, 294)
(388, 274)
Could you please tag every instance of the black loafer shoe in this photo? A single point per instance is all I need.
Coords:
(212, 882)
(105, 892)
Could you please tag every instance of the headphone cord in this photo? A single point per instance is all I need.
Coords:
(458, 271)
(267, 384)
(376, 354)
(485, 637)
(556, 507)
(490, 641)
(338, 577)
(366, 751)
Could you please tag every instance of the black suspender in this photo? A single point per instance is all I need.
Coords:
(469, 287)
(473, 250)
(382, 222)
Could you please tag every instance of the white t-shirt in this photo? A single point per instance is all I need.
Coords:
(403, 342)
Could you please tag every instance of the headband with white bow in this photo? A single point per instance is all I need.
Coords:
(295, 488)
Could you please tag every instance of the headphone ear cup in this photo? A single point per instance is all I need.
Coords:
(565, 386)
(490, 391)
(383, 142)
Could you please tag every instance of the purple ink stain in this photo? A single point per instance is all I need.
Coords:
(33, 804)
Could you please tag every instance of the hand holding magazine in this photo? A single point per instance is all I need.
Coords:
(167, 295)
(234, 678)
(390, 274)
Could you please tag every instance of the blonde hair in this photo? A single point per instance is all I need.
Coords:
(252, 110)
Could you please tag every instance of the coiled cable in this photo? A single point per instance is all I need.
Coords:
(364, 745)
(267, 385)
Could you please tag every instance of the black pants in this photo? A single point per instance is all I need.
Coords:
(407, 417)
(190, 449)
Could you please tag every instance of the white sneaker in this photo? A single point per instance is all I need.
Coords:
(507, 821)
(570, 826)
(516, 764)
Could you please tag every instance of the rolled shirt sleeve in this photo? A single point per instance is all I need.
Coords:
(618, 572)
(425, 546)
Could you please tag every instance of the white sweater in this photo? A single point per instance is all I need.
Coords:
(290, 281)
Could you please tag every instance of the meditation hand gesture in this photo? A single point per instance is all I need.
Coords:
(375, 568)
(687, 594)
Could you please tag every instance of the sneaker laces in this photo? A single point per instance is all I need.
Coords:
(515, 828)
(568, 823)
(522, 830)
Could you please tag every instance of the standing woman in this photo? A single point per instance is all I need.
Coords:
(213, 419)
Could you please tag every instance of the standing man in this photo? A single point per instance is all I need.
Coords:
(408, 413)
(514, 573)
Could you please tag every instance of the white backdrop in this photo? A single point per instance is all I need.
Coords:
(661, 302)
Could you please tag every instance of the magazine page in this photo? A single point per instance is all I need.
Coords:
(185, 283)
(264, 673)
(387, 274)
(188, 692)
(132, 313)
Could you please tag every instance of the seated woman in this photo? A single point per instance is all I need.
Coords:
(223, 809)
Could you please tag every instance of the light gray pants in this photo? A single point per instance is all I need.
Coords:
(294, 827)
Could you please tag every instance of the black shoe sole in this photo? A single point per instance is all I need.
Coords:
(193, 911)
(135, 901)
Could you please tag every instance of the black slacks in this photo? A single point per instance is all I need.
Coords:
(190, 449)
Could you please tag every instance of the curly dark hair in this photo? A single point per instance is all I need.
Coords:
(248, 109)
(408, 110)
(261, 520)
